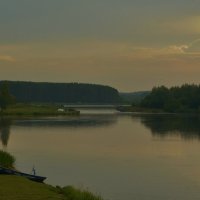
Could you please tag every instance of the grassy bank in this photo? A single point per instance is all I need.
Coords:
(38, 110)
(37, 191)
(27, 189)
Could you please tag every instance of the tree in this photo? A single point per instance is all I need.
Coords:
(6, 98)
(157, 98)
(176, 99)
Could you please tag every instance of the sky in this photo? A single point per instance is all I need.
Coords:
(131, 45)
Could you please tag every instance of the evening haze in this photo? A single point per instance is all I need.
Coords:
(130, 45)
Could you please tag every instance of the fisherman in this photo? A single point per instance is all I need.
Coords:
(34, 171)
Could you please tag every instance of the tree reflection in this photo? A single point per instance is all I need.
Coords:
(186, 126)
(86, 121)
(4, 131)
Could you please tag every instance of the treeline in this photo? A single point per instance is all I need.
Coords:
(175, 99)
(62, 92)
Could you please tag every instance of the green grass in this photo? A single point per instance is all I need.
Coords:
(36, 110)
(6, 160)
(19, 188)
(77, 194)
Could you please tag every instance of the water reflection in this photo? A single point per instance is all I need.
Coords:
(185, 126)
(71, 122)
(113, 154)
(5, 131)
(90, 121)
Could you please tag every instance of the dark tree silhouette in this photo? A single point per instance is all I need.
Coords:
(6, 98)
(175, 99)
(62, 92)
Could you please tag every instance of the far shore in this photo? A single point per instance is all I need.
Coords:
(38, 110)
(142, 110)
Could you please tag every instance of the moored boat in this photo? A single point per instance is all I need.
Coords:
(31, 177)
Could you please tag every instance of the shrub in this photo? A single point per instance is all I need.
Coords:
(6, 159)
(76, 194)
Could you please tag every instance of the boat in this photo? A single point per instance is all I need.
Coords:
(31, 177)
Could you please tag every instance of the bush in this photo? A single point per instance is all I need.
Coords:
(6, 159)
(76, 194)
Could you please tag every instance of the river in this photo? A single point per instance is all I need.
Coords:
(119, 156)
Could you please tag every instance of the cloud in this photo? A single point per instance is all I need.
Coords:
(145, 53)
(183, 49)
(95, 53)
(178, 48)
(6, 58)
(194, 47)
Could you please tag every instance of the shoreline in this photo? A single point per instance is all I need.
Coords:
(141, 110)
(38, 110)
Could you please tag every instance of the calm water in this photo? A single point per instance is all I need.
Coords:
(120, 156)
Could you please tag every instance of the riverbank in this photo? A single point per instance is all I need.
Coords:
(138, 109)
(27, 189)
(29, 110)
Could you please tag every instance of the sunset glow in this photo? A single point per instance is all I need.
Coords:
(130, 45)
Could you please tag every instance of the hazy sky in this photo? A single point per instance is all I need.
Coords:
(128, 44)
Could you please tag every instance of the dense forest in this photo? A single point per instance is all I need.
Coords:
(62, 92)
(175, 99)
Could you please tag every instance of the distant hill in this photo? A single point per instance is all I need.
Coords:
(134, 97)
(62, 92)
